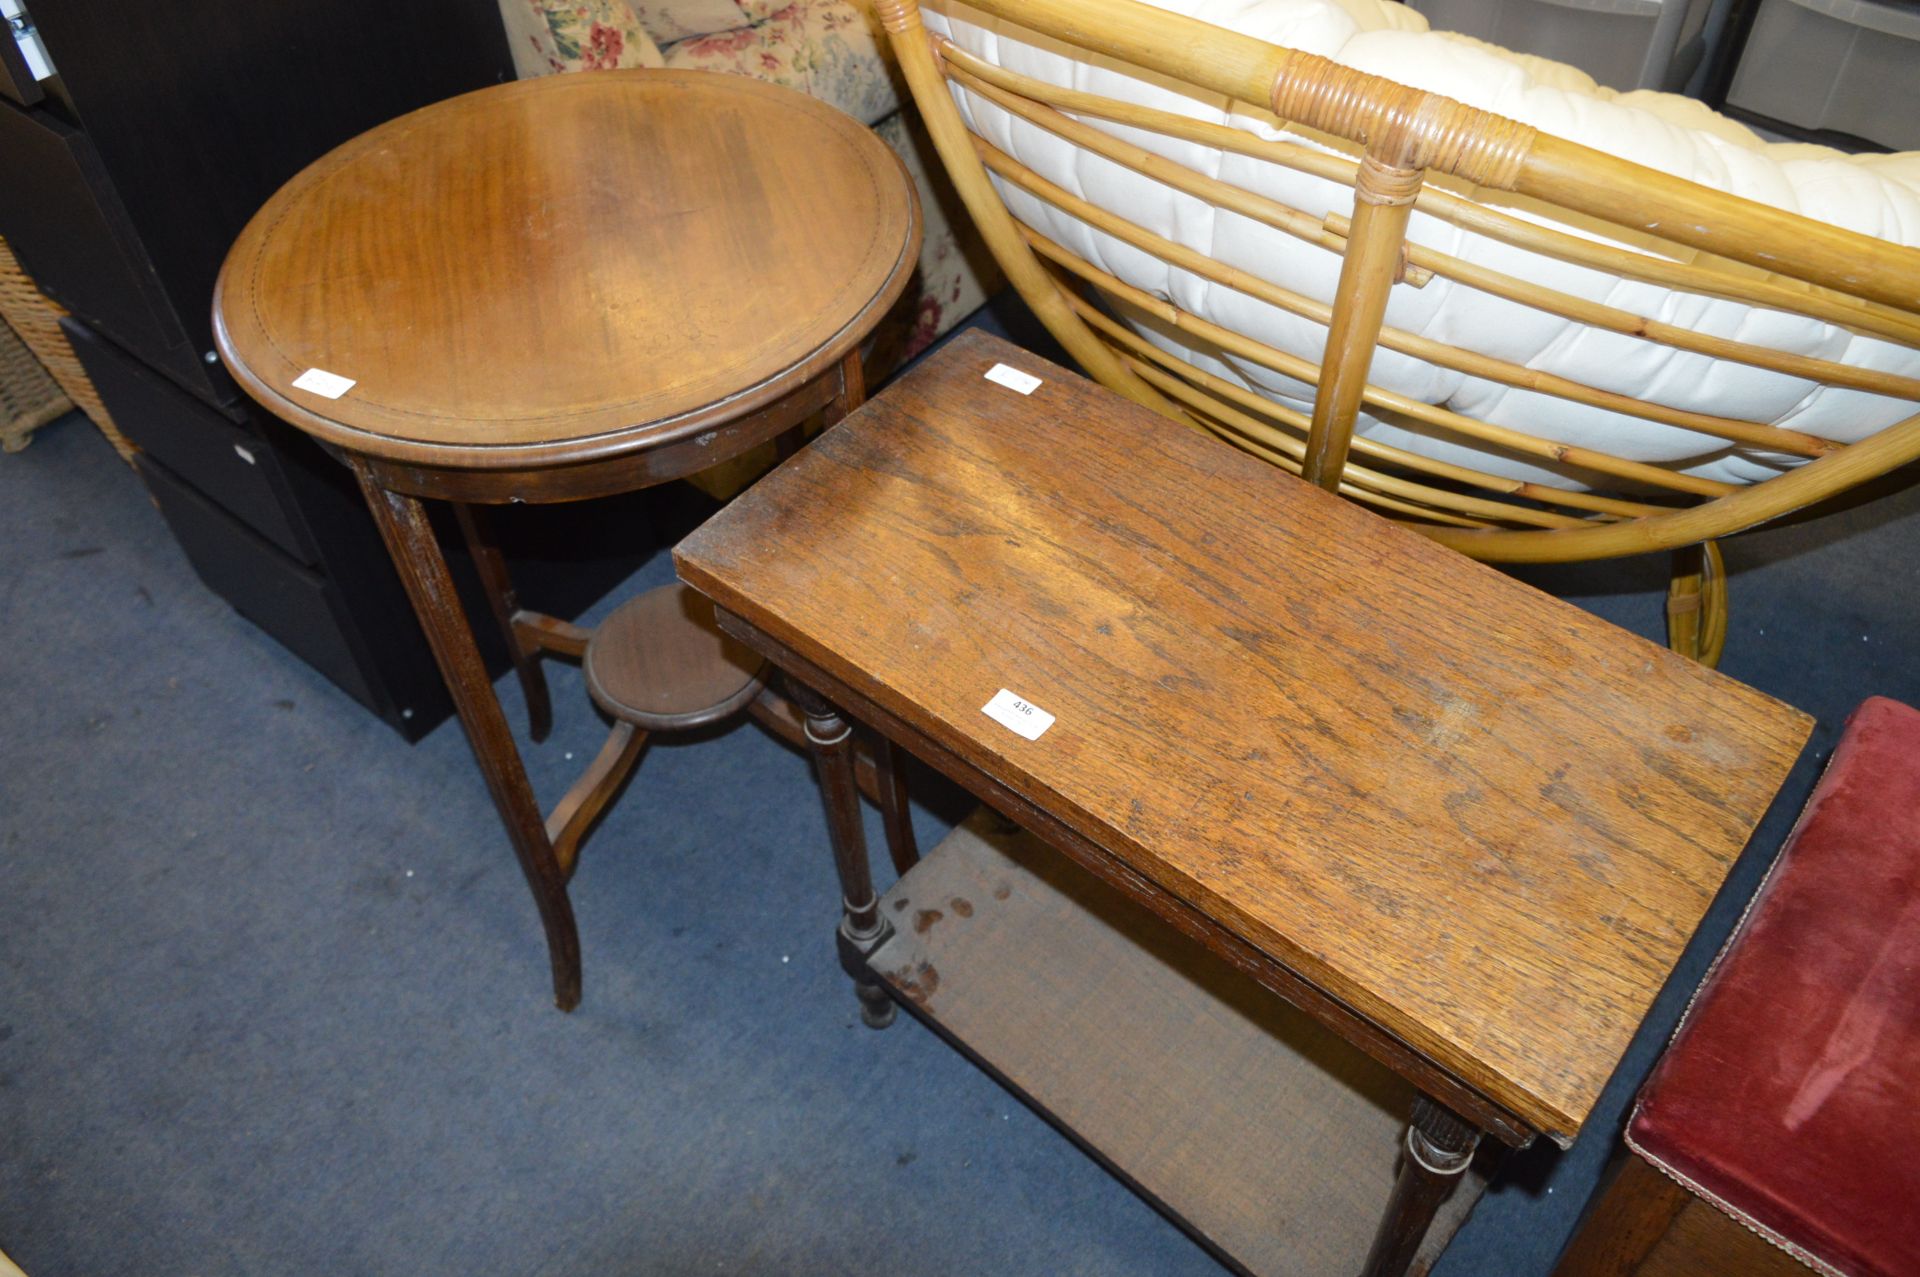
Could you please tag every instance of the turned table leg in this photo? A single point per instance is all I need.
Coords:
(830, 739)
(423, 570)
(1438, 1147)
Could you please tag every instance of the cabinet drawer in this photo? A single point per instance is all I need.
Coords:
(238, 469)
(64, 220)
(296, 606)
(59, 211)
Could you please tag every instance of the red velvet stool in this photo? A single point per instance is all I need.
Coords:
(1781, 1130)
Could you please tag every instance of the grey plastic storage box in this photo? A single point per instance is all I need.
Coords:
(1624, 44)
(1852, 66)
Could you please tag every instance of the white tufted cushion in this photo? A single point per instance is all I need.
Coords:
(1875, 195)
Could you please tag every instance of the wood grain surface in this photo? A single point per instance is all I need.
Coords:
(1647, 1225)
(1259, 1130)
(568, 268)
(1633, 1210)
(1482, 818)
(661, 662)
(1704, 1242)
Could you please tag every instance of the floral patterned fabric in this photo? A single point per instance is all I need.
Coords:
(584, 35)
(670, 20)
(761, 10)
(826, 50)
(956, 273)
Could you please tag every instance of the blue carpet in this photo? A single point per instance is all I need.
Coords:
(273, 998)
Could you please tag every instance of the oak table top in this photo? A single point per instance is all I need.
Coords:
(567, 268)
(1485, 821)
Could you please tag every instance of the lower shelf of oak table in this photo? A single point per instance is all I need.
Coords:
(1262, 1133)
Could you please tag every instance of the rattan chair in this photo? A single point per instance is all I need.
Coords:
(1399, 150)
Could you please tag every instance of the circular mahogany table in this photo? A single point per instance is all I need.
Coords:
(559, 289)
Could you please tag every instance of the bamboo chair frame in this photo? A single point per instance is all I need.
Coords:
(1404, 137)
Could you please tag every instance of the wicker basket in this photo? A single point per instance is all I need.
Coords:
(29, 396)
(33, 325)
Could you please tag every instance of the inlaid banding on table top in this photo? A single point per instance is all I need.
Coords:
(702, 218)
(1485, 820)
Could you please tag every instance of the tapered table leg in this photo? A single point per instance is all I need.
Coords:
(423, 571)
(501, 599)
(830, 739)
(1439, 1145)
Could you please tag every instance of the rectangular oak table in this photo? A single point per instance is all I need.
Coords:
(1460, 829)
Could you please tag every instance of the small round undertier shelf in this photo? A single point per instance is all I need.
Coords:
(661, 663)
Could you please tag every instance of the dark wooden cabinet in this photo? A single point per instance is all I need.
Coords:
(61, 213)
(179, 119)
(225, 458)
(123, 180)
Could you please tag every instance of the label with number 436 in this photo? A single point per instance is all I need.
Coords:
(1021, 717)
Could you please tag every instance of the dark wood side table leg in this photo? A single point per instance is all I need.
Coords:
(851, 393)
(787, 444)
(492, 566)
(853, 387)
(1438, 1147)
(896, 817)
(861, 930)
(1633, 1210)
(423, 570)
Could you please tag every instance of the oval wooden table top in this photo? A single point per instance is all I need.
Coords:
(568, 268)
